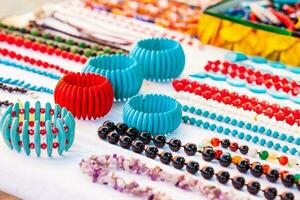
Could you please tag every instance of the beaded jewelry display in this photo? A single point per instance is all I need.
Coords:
(31, 61)
(207, 152)
(27, 128)
(161, 59)
(123, 71)
(178, 162)
(85, 95)
(11, 63)
(29, 86)
(290, 116)
(254, 153)
(99, 167)
(153, 113)
(42, 48)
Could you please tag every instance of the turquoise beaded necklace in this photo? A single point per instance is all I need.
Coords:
(11, 63)
(241, 135)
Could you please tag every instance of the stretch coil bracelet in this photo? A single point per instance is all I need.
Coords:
(85, 95)
(42, 48)
(154, 113)
(253, 152)
(241, 135)
(244, 115)
(275, 111)
(37, 128)
(178, 162)
(208, 153)
(31, 61)
(22, 83)
(241, 124)
(11, 63)
(185, 182)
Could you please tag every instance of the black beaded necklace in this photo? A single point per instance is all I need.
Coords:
(11, 89)
(127, 138)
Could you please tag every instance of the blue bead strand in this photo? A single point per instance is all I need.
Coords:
(241, 124)
(22, 83)
(240, 135)
(29, 69)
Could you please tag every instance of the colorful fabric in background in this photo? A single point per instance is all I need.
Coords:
(238, 37)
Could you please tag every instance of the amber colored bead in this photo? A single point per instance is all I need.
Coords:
(266, 168)
(236, 159)
(215, 142)
(233, 146)
(283, 160)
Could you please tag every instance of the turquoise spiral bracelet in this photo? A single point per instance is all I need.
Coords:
(241, 135)
(37, 128)
(123, 71)
(154, 113)
(161, 59)
(241, 124)
(11, 63)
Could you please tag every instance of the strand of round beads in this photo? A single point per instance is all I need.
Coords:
(193, 167)
(29, 86)
(207, 152)
(10, 89)
(254, 76)
(98, 167)
(68, 45)
(31, 61)
(235, 112)
(241, 124)
(5, 103)
(11, 63)
(275, 111)
(241, 135)
(253, 152)
(42, 48)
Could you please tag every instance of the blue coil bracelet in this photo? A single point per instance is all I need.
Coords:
(161, 59)
(123, 71)
(154, 113)
(37, 128)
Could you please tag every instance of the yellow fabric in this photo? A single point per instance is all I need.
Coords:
(237, 37)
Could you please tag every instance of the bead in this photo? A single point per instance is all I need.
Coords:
(151, 152)
(138, 146)
(283, 160)
(190, 149)
(243, 166)
(223, 177)
(125, 142)
(253, 187)
(174, 144)
(238, 182)
(218, 153)
(215, 142)
(121, 128)
(225, 160)
(225, 143)
(110, 125)
(236, 159)
(207, 172)
(132, 133)
(234, 146)
(102, 132)
(159, 141)
(208, 154)
(165, 157)
(263, 155)
(288, 180)
(272, 175)
(244, 149)
(145, 137)
(256, 169)
(287, 196)
(178, 162)
(270, 193)
(272, 157)
(192, 167)
(113, 137)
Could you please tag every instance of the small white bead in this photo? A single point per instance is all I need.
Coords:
(252, 152)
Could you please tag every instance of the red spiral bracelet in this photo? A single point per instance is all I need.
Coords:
(84, 94)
